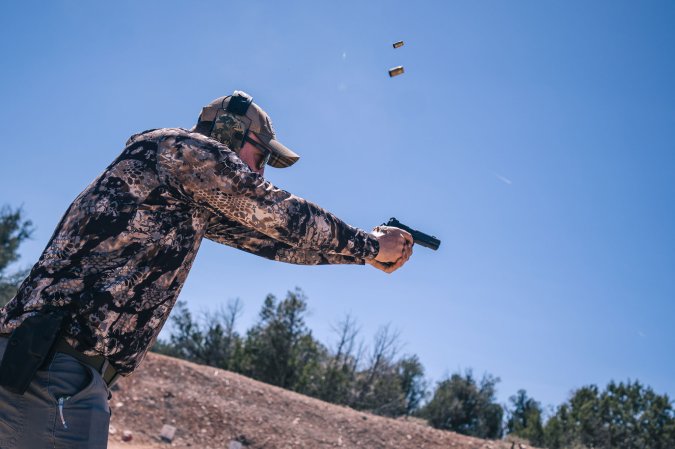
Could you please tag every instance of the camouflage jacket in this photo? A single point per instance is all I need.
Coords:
(121, 253)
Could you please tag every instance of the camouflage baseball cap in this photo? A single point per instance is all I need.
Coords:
(230, 127)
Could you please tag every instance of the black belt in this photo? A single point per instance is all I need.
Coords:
(98, 362)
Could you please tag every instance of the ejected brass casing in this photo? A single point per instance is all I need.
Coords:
(398, 44)
(396, 71)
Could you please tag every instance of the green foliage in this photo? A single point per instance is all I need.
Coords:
(14, 229)
(340, 368)
(213, 341)
(280, 349)
(381, 384)
(525, 419)
(397, 389)
(462, 405)
(410, 373)
(187, 340)
(387, 385)
(376, 385)
(624, 416)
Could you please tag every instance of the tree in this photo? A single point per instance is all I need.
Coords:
(222, 344)
(525, 419)
(411, 377)
(374, 384)
(624, 416)
(462, 405)
(339, 376)
(557, 431)
(382, 385)
(187, 339)
(280, 349)
(388, 385)
(213, 341)
(14, 230)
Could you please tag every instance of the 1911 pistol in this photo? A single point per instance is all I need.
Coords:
(419, 237)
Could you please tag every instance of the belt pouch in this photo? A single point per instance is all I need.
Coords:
(27, 349)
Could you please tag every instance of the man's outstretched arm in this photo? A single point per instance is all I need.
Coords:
(237, 236)
(213, 177)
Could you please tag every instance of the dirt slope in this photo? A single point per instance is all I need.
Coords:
(211, 407)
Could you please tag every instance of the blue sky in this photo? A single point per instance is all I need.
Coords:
(536, 139)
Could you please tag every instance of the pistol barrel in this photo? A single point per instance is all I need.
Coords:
(422, 239)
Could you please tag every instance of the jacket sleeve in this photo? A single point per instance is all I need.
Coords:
(249, 240)
(211, 176)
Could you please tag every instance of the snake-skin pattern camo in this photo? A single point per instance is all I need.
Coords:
(121, 253)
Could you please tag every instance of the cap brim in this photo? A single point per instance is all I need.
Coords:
(281, 155)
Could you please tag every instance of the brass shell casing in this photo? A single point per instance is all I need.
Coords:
(398, 44)
(396, 71)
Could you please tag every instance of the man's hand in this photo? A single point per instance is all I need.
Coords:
(395, 248)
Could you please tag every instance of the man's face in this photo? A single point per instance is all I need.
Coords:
(252, 156)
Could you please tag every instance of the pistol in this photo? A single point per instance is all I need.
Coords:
(419, 237)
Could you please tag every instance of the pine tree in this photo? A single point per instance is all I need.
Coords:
(14, 229)
(280, 349)
(211, 341)
(623, 416)
(411, 378)
(463, 405)
(525, 419)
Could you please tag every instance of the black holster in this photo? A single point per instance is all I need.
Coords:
(28, 348)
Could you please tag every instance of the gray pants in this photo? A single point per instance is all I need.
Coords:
(66, 406)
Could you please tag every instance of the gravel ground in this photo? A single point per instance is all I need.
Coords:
(210, 408)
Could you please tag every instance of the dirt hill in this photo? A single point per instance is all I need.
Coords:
(212, 408)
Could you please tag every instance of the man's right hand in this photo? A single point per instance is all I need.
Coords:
(395, 248)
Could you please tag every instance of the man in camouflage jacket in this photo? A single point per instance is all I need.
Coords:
(121, 253)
